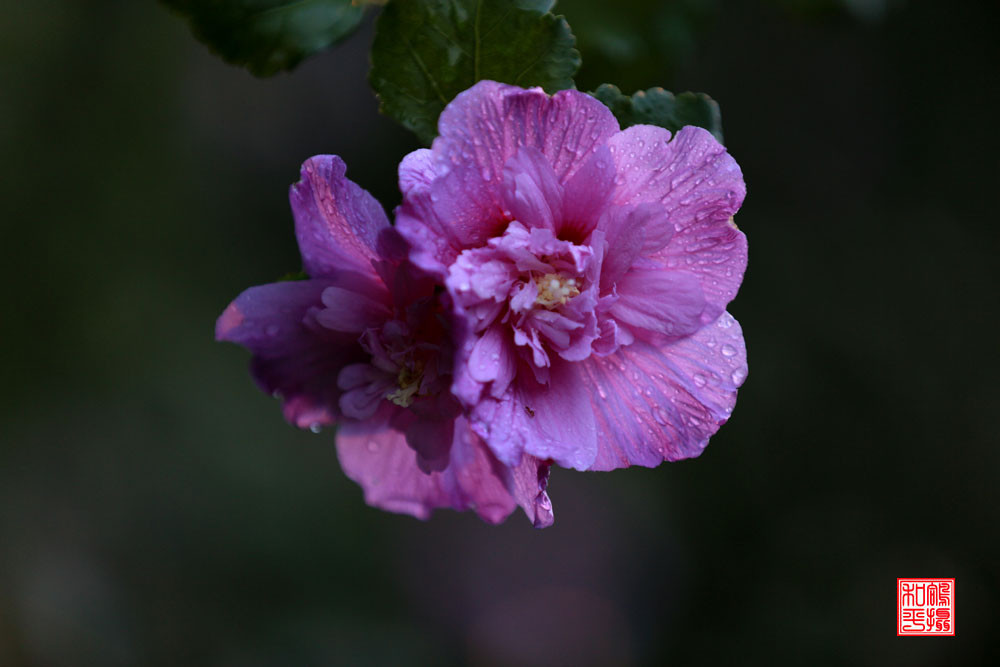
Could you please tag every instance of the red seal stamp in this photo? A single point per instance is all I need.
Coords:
(925, 607)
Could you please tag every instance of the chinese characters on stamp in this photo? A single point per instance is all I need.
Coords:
(925, 607)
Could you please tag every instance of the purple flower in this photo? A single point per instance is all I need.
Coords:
(366, 342)
(591, 267)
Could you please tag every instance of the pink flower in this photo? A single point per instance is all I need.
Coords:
(366, 342)
(592, 268)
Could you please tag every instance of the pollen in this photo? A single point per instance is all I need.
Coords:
(555, 290)
(408, 384)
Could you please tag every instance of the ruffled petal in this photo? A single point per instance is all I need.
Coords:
(292, 356)
(458, 210)
(548, 421)
(348, 311)
(663, 403)
(417, 171)
(531, 193)
(339, 225)
(489, 122)
(587, 195)
(479, 131)
(701, 187)
(383, 464)
(670, 303)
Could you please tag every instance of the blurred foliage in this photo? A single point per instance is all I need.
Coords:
(267, 36)
(660, 107)
(428, 51)
(635, 43)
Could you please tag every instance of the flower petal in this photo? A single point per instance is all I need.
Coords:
(531, 192)
(587, 195)
(431, 440)
(665, 302)
(339, 225)
(702, 188)
(348, 311)
(417, 171)
(548, 421)
(385, 466)
(527, 483)
(489, 122)
(292, 355)
(492, 360)
(663, 403)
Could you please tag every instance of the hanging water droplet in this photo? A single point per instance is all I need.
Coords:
(739, 375)
(315, 427)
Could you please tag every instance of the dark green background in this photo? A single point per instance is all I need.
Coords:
(156, 510)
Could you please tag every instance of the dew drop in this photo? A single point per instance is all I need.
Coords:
(728, 350)
(739, 375)
(315, 427)
(699, 380)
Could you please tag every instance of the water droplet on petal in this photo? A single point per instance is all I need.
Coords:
(728, 350)
(372, 446)
(739, 375)
(315, 427)
(699, 380)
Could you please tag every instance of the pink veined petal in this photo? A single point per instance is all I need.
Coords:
(587, 195)
(348, 311)
(457, 211)
(493, 360)
(489, 122)
(548, 421)
(339, 226)
(479, 131)
(531, 192)
(385, 467)
(670, 303)
(631, 231)
(701, 187)
(664, 403)
(417, 171)
(292, 356)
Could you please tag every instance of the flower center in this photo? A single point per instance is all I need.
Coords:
(555, 290)
(408, 383)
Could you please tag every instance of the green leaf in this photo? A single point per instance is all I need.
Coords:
(428, 51)
(267, 36)
(293, 275)
(657, 106)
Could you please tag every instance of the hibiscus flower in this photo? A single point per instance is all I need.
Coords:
(590, 268)
(366, 342)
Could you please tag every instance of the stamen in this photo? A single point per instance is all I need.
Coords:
(409, 383)
(555, 290)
